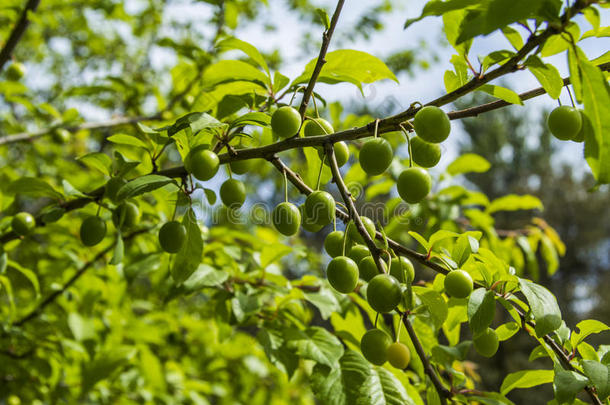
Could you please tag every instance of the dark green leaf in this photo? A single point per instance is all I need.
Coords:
(481, 310)
(526, 379)
(187, 260)
(567, 384)
(315, 344)
(99, 161)
(33, 187)
(141, 185)
(543, 306)
(599, 374)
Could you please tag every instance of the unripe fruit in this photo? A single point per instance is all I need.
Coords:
(374, 346)
(172, 236)
(112, 187)
(202, 163)
(586, 124)
(333, 243)
(233, 193)
(424, 153)
(241, 166)
(341, 154)
(565, 122)
(414, 184)
(399, 355)
(432, 124)
(285, 122)
(23, 223)
(400, 266)
(15, 71)
(92, 230)
(61, 135)
(487, 343)
(342, 274)
(126, 215)
(383, 293)
(317, 126)
(307, 223)
(368, 269)
(458, 284)
(286, 218)
(376, 156)
(358, 252)
(320, 207)
(354, 235)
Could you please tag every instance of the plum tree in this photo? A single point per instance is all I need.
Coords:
(383, 293)
(172, 236)
(432, 124)
(376, 156)
(285, 121)
(342, 274)
(374, 346)
(414, 184)
(458, 284)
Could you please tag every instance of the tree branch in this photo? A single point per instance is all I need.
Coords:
(82, 270)
(17, 33)
(321, 61)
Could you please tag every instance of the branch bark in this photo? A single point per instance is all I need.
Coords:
(17, 32)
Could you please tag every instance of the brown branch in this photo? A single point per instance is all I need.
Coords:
(442, 391)
(353, 212)
(82, 270)
(17, 33)
(321, 61)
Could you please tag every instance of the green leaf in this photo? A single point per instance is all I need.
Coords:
(357, 382)
(272, 253)
(253, 118)
(513, 36)
(141, 185)
(435, 304)
(463, 248)
(119, 251)
(441, 235)
(226, 71)
(567, 384)
(422, 241)
(481, 310)
(468, 163)
(586, 328)
(507, 330)
(559, 43)
(33, 187)
(547, 75)
(3, 261)
(440, 7)
(205, 276)
(104, 364)
(188, 258)
(543, 306)
(152, 369)
(27, 273)
(502, 93)
(325, 301)
(126, 139)
(244, 305)
(513, 202)
(347, 65)
(525, 379)
(196, 121)
(245, 47)
(599, 374)
(81, 328)
(315, 344)
(323, 17)
(99, 161)
(210, 195)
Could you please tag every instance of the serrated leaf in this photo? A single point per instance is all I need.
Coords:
(323, 17)
(567, 384)
(599, 374)
(468, 163)
(188, 258)
(481, 310)
(141, 185)
(526, 379)
(543, 305)
(226, 71)
(315, 344)
(439, 7)
(513, 36)
(33, 187)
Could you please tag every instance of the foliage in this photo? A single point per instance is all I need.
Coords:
(242, 314)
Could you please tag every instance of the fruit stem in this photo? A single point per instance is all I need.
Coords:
(99, 208)
(404, 130)
(335, 221)
(344, 242)
(375, 134)
(295, 93)
(315, 106)
(399, 327)
(570, 94)
(285, 186)
(320, 171)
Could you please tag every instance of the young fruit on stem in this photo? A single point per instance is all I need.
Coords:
(374, 346)
(317, 126)
(401, 265)
(414, 184)
(342, 274)
(23, 223)
(286, 218)
(354, 235)
(383, 293)
(425, 154)
(126, 215)
(172, 236)
(92, 230)
(320, 207)
(358, 252)
(376, 156)
(341, 153)
(458, 284)
(202, 163)
(233, 193)
(487, 343)
(565, 122)
(399, 355)
(285, 122)
(368, 268)
(432, 124)
(333, 243)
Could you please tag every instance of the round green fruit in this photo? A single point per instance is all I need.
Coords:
(458, 284)
(92, 230)
(341, 154)
(400, 266)
(23, 223)
(286, 218)
(432, 124)
(241, 166)
(61, 135)
(333, 243)
(586, 126)
(368, 269)
(112, 188)
(320, 207)
(383, 293)
(233, 193)
(376, 156)
(374, 346)
(565, 122)
(285, 122)
(126, 215)
(354, 235)
(317, 126)
(308, 223)
(487, 343)
(399, 355)
(15, 71)
(414, 184)
(342, 274)
(358, 252)
(202, 163)
(425, 154)
(172, 236)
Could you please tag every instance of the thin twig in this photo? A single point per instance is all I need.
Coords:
(17, 32)
(326, 37)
